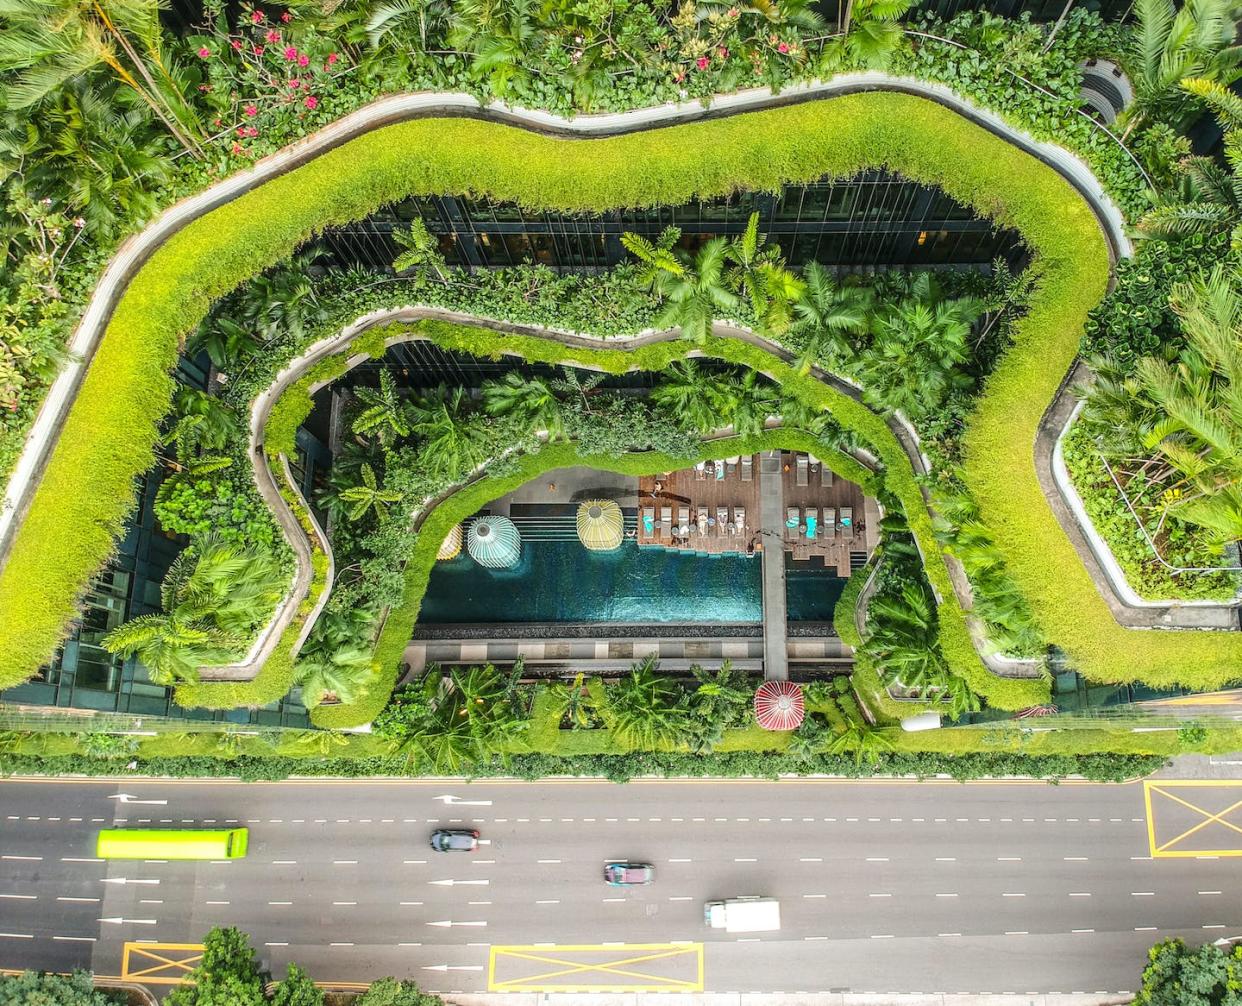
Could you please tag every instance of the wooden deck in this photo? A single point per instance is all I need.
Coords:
(695, 510)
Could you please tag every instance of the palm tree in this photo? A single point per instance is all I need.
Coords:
(902, 639)
(871, 32)
(863, 739)
(690, 396)
(213, 596)
(47, 44)
(341, 675)
(1170, 45)
(658, 258)
(396, 22)
(384, 413)
(451, 444)
(533, 402)
(759, 275)
(920, 345)
(499, 35)
(1209, 200)
(825, 317)
(696, 292)
(646, 711)
(422, 251)
(574, 701)
(368, 496)
(746, 401)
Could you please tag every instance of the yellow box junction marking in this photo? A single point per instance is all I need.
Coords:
(1186, 828)
(159, 963)
(633, 967)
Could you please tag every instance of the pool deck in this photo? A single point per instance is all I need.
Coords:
(845, 520)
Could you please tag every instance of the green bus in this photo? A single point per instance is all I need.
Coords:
(152, 843)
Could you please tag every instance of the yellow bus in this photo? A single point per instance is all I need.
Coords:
(152, 843)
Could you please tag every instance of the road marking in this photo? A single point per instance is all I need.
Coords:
(946, 859)
(1082, 930)
(1075, 859)
(605, 967)
(344, 862)
(86, 900)
(80, 859)
(810, 859)
(18, 936)
(886, 936)
(946, 895)
(1009, 894)
(280, 902)
(681, 860)
(1009, 859)
(1163, 795)
(29, 859)
(682, 897)
(22, 897)
(815, 895)
(948, 934)
(1017, 932)
(547, 902)
(75, 939)
(879, 895)
(1209, 892)
(744, 859)
(547, 862)
(877, 859)
(1080, 894)
(153, 963)
(217, 902)
(1143, 894)
(342, 904)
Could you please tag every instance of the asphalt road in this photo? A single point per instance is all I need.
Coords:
(884, 887)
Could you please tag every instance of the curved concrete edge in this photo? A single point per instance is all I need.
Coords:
(135, 250)
(1127, 606)
(303, 549)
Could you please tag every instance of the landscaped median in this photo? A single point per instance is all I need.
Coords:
(107, 439)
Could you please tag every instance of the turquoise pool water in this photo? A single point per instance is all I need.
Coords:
(560, 581)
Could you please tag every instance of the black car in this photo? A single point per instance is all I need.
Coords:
(454, 840)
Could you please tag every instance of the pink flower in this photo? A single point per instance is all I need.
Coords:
(204, 53)
(237, 148)
(291, 53)
(295, 83)
(204, 88)
(241, 130)
(734, 12)
(286, 17)
(272, 36)
(251, 110)
(703, 62)
(304, 60)
(236, 43)
(256, 16)
(679, 76)
(783, 47)
(332, 58)
(258, 50)
(723, 52)
(251, 131)
(311, 102)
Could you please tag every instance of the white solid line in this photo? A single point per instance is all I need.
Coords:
(78, 899)
(1017, 932)
(877, 859)
(946, 895)
(886, 936)
(810, 859)
(1082, 930)
(680, 861)
(345, 862)
(80, 859)
(1142, 894)
(1080, 894)
(744, 859)
(946, 859)
(217, 902)
(18, 936)
(32, 859)
(547, 862)
(1209, 892)
(547, 902)
(21, 897)
(79, 939)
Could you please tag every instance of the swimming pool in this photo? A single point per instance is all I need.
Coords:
(560, 581)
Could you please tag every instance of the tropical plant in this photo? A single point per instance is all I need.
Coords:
(902, 637)
(658, 258)
(1171, 44)
(920, 346)
(826, 315)
(533, 402)
(421, 252)
(395, 23)
(213, 596)
(809, 739)
(574, 703)
(696, 292)
(370, 496)
(385, 414)
(867, 743)
(759, 275)
(871, 33)
(451, 443)
(645, 710)
(499, 36)
(297, 989)
(47, 44)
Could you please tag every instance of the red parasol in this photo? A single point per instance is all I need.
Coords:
(778, 705)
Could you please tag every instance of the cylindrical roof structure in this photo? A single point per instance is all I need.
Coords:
(494, 542)
(450, 548)
(601, 525)
(779, 705)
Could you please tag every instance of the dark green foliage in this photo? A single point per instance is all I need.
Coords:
(1177, 975)
(297, 989)
(227, 975)
(391, 992)
(33, 988)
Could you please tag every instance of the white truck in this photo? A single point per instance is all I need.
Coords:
(744, 915)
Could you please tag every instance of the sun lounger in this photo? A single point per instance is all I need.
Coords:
(825, 476)
(701, 520)
(802, 467)
(666, 521)
(700, 472)
(847, 521)
(731, 464)
(720, 469)
(812, 522)
(683, 520)
(792, 520)
(722, 520)
(649, 521)
(739, 519)
(748, 468)
(830, 523)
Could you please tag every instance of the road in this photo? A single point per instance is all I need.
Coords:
(884, 886)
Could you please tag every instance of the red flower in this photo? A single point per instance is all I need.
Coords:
(304, 60)
(204, 53)
(251, 110)
(251, 131)
(722, 52)
(286, 17)
(332, 58)
(256, 16)
(272, 36)
(291, 53)
(295, 83)
(237, 148)
(236, 43)
(241, 130)
(258, 50)
(703, 62)
(311, 102)
(783, 47)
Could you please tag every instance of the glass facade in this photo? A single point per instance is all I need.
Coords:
(875, 221)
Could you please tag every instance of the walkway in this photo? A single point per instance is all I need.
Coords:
(772, 530)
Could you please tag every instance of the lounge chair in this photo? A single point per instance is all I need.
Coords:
(847, 521)
(702, 520)
(731, 464)
(830, 523)
(792, 520)
(720, 469)
(722, 520)
(748, 468)
(739, 519)
(649, 521)
(825, 476)
(812, 522)
(700, 472)
(683, 521)
(666, 521)
(803, 467)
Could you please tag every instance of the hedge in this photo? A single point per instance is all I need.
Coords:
(88, 486)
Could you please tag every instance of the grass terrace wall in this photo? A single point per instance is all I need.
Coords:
(88, 486)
